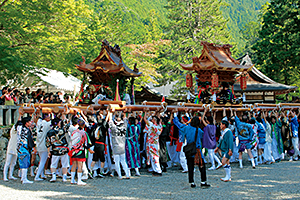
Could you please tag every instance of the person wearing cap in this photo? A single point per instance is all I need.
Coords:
(225, 148)
(56, 140)
(42, 126)
(80, 141)
(24, 146)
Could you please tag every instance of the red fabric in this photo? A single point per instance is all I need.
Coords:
(75, 159)
(171, 135)
(189, 80)
(214, 81)
(104, 145)
(7, 97)
(185, 120)
(243, 82)
(179, 145)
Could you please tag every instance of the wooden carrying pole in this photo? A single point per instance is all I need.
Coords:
(149, 106)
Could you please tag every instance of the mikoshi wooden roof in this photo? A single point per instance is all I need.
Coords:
(216, 59)
(258, 82)
(108, 62)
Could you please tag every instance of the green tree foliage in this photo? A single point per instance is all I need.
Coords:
(239, 14)
(279, 45)
(250, 34)
(190, 22)
(37, 33)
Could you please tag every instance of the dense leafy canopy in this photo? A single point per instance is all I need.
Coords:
(38, 33)
(278, 47)
(157, 34)
(190, 22)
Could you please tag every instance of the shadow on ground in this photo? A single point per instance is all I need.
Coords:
(276, 181)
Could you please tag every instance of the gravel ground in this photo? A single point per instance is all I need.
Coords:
(276, 181)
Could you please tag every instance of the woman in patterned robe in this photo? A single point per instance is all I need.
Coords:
(153, 129)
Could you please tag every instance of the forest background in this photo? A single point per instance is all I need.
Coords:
(156, 34)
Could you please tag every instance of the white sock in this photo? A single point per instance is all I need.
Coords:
(241, 163)
(73, 176)
(137, 171)
(252, 161)
(217, 159)
(53, 175)
(211, 157)
(255, 160)
(65, 176)
(225, 168)
(229, 171)
(79, 175)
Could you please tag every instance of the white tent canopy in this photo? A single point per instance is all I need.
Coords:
(49, 81)
(60, 81)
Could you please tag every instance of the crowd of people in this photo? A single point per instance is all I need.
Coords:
(98, 145)
(13, 96)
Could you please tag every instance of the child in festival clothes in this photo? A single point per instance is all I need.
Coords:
(225, 148)
(118, 133)
(80, 142)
